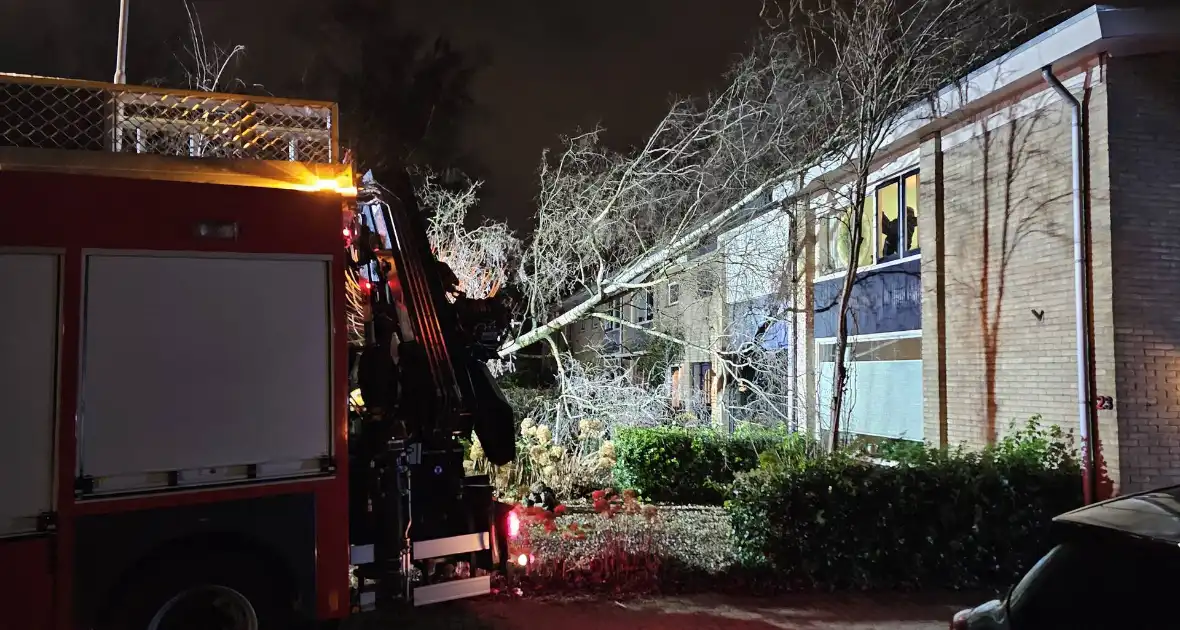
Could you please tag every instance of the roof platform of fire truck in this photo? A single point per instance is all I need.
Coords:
(50, 124)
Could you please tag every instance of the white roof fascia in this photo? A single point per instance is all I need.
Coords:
(1098, 29)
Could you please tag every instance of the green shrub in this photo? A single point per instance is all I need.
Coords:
(944, 519)
(901, 451)
(790, 451)
(686, 466)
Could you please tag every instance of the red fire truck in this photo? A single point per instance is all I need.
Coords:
(232, 393)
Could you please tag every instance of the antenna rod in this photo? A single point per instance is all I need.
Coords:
(121, 51)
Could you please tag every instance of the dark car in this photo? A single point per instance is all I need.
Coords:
(1117, 566)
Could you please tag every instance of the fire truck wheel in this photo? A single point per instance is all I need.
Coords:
(226, 592)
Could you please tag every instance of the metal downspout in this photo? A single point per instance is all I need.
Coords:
(1081, 294)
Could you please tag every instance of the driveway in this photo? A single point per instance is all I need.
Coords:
(801, 612)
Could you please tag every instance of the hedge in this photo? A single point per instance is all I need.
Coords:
(686, 466)
(938, 519)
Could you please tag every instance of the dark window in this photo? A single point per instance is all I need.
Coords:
(645, 306)
(615, 311)
(702, 380)
(706, 280)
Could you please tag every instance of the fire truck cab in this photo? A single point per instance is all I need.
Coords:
(184, 309)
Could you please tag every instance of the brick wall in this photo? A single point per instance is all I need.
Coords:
(1145, 194)
(998, 281)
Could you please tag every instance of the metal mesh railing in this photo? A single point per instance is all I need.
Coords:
(38, 112)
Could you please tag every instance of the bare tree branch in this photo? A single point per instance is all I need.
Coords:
(607, 221)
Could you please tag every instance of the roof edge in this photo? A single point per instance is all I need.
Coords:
(1095, 30)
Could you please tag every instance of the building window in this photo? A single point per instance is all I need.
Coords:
(673, 293)
(889, 221)
(827, 245)
(897, 218)
(889, 229)
(909, 201)
(705, 281)
(883, 398)
(702, 377)
(645, 306)
(616, 311)
(835, 247)
(674, 383)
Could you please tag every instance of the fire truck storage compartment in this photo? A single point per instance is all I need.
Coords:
(202, 368)
(29, 289)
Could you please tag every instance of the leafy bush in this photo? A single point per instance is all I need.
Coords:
(569, 469)
(897, 450)
(938, 519)
(687, 466)
(790, 451)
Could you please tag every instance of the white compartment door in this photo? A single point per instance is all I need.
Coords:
(197, 365)
(29, 290)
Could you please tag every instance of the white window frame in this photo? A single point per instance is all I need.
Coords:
(673, 284)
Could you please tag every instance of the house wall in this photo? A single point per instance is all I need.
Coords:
(1144, 145)
(695, 318)
(999, 336)
(998, 331)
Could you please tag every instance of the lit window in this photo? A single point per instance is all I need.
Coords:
(889, 230)
(910, 203)
(889, 221)
(843, 241)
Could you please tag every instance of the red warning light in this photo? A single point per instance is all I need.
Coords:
(365, 286)
(347, 232)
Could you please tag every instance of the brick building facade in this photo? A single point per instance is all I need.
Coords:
(998, 334)
(964, 322)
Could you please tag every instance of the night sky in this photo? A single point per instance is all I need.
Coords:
(548, 67)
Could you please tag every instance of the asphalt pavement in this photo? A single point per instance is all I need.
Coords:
(800, 612)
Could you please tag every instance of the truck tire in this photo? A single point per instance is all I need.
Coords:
(216, 591)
